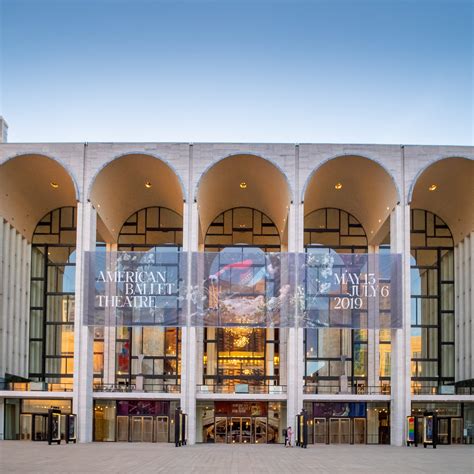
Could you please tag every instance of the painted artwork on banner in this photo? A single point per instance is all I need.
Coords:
(243, 286)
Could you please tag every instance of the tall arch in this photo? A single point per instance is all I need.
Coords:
(131, 182)
(31, 186)
(360, 185)
(243, 180)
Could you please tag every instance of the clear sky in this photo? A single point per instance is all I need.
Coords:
(379, 71)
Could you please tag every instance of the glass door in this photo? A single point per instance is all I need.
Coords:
(339, 431)
(456, 430)
(136, 428)
(320, 431)
(443, 430)
(260, 430)
(359, 431)
(161, 429)
(122, 428)
(40, 427)
(246, 430)
(26, 427)
(221, 430)
(147, 429)
(234, 430)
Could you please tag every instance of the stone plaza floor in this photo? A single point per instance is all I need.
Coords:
(38, 457)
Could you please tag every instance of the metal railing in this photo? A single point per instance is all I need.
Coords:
(442, 390)
(242, 389)
(351, 390)
(129, 388)
(36, 386)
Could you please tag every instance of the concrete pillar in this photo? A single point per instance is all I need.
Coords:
(83, 335)
(295, 346)
(110, 333)
(401, 352)
(189, 355)
(2, 418)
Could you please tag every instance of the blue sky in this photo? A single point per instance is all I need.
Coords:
(380, 71)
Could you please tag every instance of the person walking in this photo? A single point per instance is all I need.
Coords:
(285, 435)
(289, 433)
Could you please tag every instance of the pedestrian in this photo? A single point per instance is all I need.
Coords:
(285, 435)
(289, 432)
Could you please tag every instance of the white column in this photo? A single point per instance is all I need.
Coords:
(83, 335)
(189, 359)
(110, 333)
(372, 335)
(295, 346)
(2, 418)
(401, 351)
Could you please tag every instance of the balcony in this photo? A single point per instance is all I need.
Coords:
(242, 389)
(360, 389)
(36, 387)
(132, 388)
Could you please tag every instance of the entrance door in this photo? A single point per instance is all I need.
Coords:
(260, 430)
(40, 427)
(443, 430)
(240, 430)
(339, 430)
(147, 429)
(234, 430)
(221, 430)
(161, 429)
(122, 428)
(359, 431)
(246, 430)
(26, 427)
(320, 431)
(456, 430)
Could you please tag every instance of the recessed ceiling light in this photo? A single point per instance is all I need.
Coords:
(433, 187)
(243, 185)
(388, 209)
(148, 185)
(338, 186)
(380, 220)
(54, 185)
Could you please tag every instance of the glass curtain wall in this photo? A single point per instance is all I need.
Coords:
(53, 265)
(151, 351)
(331, 352)
(432, 302)
(242, 355)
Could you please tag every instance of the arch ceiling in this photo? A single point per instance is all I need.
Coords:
(368, 192)
(453, 198)
(26, 192)
(119, 190)
(266, 189)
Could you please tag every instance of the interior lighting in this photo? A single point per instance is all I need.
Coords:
(54, 185)
(433, 187)
(338, 186)
(243, 185)
(148, 185)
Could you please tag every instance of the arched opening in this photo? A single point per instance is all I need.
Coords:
(358, 185)
(31, 186)
(52, 294)
(445, 189)
(244, 181)
(129, 183)
(442, 225)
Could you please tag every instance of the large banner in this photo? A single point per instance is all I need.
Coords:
(243, 287)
